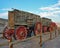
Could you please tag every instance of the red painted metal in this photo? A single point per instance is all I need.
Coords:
(45, 28)
(8, 33)
(38, 28)
(21, 33)
(52, 26)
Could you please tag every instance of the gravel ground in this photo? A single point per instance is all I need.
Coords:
(3, 41)
(34, 43)
(55, 43)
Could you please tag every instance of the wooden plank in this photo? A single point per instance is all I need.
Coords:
(11, 19)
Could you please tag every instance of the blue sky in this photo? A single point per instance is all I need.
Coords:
(44, 8)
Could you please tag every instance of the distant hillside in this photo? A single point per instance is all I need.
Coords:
(2, 19)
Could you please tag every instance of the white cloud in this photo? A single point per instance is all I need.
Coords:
(57, 4)
(4, 15)
(52, 7)
(6, 9)
(52, 11)
(45, 14)
(30, 11)
(53, 14)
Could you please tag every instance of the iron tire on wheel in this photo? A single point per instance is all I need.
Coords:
(21, 33)
(7, 33)
(4, 32)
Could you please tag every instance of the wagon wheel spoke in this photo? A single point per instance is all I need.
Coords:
(8, 33)
(21, 33)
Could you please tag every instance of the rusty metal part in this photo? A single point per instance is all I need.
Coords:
(53, 26)
(44, 29)
(7, 33)
(21, 33)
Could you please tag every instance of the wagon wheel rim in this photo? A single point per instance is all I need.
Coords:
(21, 33)
(7, 33)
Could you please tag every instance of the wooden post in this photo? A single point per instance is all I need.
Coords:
(50, 35)
(55, 33)
(10, 45)
(41, 39)
(38, 31)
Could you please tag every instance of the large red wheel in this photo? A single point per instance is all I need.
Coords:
(45, 29)
(4, 31)
(7, 33)
(21, 33)
(38, 28)
(53, 26)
